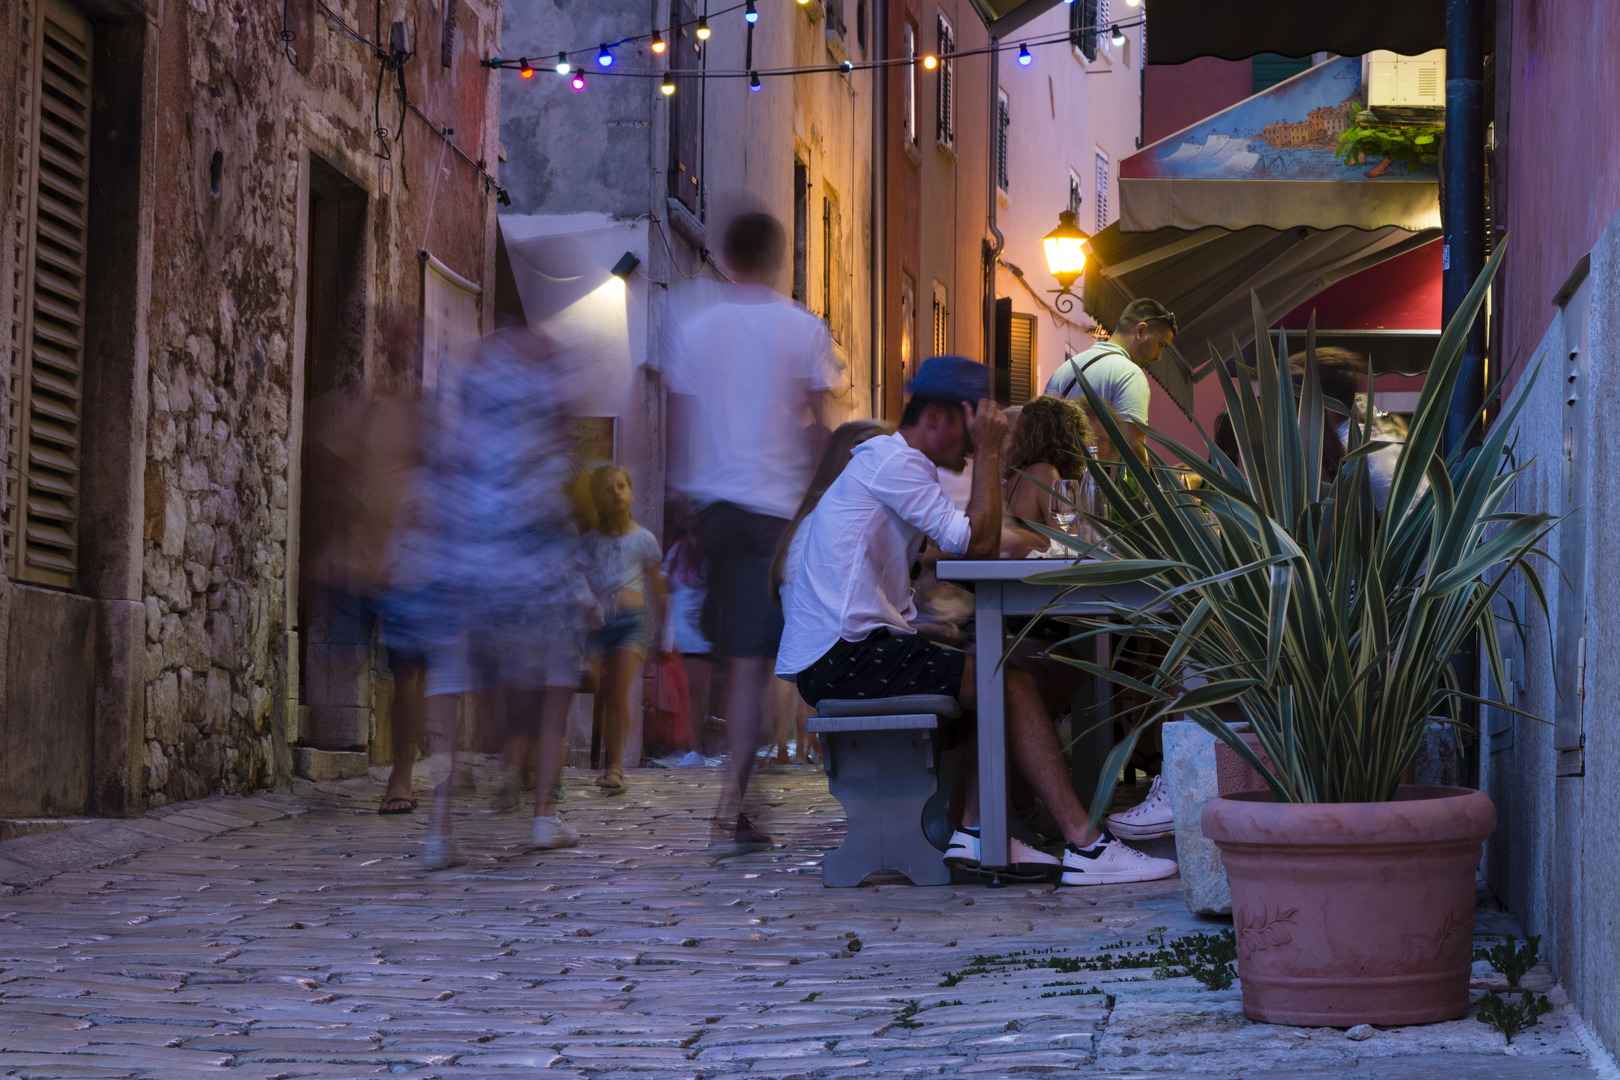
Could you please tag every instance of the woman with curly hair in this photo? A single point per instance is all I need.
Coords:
(1048, 445)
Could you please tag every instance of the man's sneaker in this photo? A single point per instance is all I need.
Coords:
(1028, 864)
(553, 832)
(1109, 862)
(1149, 820)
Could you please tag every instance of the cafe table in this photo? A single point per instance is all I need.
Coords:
(1001, 587)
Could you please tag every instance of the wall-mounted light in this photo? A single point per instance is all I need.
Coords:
(626, 266)
(1065, 257)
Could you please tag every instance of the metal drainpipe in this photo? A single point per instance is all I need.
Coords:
(1464, 258)
(880, 203)
(994, 246)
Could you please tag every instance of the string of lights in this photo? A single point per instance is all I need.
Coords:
(525, 66)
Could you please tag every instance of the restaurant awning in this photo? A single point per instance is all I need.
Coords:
(1253, 198)
(1181, 30)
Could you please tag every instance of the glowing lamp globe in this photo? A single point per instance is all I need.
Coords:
(1065, 250)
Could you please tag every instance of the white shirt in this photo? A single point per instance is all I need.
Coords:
(1112, 374)
(855, 572)
(748, 366)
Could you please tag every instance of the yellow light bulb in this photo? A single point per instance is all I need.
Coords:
(930, 62)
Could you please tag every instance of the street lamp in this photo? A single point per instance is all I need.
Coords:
(1065, 258)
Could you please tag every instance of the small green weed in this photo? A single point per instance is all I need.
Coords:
(1511, 1017)
(1512, 959)
(811, 996)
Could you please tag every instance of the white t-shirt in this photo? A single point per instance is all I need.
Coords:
(748, 365)
(1112, 374)
(854, 575)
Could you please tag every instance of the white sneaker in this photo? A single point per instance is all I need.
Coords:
(1112, 863)
(1149, 820)
(553, 832)
(1027, 863)
(443, 852)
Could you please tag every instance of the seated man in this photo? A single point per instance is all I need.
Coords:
(849, 631)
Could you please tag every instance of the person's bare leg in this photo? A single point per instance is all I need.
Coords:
(443, 714)
(1036, 755)
(619, 672)
(405, 719)
(552, 705)
(745, 703)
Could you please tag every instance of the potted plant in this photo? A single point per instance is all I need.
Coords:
(1331, 627)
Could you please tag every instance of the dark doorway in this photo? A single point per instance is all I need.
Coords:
(334, 635)
(801, 232)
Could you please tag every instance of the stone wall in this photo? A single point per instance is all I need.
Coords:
(235, 107)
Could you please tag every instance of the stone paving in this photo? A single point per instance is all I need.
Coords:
(316, 945)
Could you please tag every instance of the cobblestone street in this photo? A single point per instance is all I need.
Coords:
(315, 945)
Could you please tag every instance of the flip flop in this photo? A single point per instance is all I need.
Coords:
(397, 804)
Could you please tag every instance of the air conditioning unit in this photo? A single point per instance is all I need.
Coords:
(1405, 89)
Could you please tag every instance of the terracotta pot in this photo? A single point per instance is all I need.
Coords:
(1353, 913)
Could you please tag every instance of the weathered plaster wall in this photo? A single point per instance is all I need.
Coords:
(1551, 860)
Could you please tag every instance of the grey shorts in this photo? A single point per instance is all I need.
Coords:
(740, 615)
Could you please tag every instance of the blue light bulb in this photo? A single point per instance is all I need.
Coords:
(1024, 56)
(753, 81)
(604, 57)
(750, 14)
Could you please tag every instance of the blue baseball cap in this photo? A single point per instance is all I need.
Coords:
(950, 378)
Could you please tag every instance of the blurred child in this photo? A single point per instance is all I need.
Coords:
(622, 567)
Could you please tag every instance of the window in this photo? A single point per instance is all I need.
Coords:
(908, 86)
(801, 232)
(860, 25)
(1083, 27)
(834, 296)
(944, 119)
(1003, 120)
(942, 322)
(1074, 192)
(1100, 21)
(1099, 196)
(41, 515)
(685, 107)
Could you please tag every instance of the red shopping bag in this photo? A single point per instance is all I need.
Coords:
(671, 721)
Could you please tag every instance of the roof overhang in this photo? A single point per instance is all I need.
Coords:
(1002, 17)
(1181, 30)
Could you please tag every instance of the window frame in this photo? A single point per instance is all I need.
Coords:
(908, 86)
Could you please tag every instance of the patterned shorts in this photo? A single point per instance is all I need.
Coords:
(883, 664)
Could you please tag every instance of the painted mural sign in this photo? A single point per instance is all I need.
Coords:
(1289, 132)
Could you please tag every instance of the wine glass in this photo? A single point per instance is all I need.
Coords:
(1065, 504)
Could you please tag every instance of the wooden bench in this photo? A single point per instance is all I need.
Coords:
(882, 757)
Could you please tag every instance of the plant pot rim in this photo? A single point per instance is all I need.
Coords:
(1420, 814)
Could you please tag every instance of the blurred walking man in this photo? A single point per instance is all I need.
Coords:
(747, 379)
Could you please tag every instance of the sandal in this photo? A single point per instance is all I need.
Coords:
(396, 804)
(611, 782)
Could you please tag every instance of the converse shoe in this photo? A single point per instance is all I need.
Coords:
(553, 832)
(1109, 862)
(443, 852)
(1028, 864)
(1149, 820)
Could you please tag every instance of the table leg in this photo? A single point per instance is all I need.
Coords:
(991, 689)
(1092, 703)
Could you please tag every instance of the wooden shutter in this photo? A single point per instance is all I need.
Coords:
(41, 519)
(1021, 353)
(944, 122)
(685, 109)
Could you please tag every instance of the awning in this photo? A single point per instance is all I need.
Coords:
(1205, 278)
(1252, 198)
(1180, 30)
